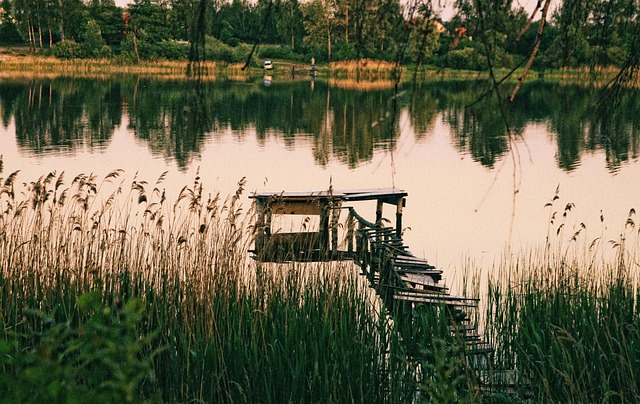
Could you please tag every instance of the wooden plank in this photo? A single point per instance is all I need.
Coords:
(311, 194)
(378, 231)
(297, 208)
(433, 298)
(431, 291)
(432, 272)
(389, 195)
(403, 266)
(448, 297)
(419, 279)
(463, 328)
(412, 261)
(478, 348)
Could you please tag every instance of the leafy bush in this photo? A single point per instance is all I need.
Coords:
(466, 58)
(93, 45)
(218, 50)
(275, 52)
(345, 52)
(67, 49)
(171, 50)
(95, 358)
(8, 31)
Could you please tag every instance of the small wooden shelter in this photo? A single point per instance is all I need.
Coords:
(320, 244)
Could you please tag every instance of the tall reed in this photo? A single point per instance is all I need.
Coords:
(565, 320)
(216, 326)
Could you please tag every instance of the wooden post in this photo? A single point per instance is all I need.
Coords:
(379, 212)
(350, 229)
(324, 229)
(260, 230)
(335, 216)
(400, 205)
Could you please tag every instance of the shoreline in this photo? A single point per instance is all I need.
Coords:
(16, 65)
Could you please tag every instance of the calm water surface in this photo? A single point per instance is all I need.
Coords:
(458, 164)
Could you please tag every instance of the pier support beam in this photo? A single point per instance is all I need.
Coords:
(400, 205)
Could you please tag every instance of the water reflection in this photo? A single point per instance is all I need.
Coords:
(343, 124)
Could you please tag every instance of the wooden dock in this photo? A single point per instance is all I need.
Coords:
(404, 282)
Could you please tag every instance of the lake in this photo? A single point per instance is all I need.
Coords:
(476, 191)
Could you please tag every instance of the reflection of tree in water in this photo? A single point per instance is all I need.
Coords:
(618, 129)
(570, 112)
(172, 118)
(63, 114)
(423, 109)
(341, 124)
(477, 129)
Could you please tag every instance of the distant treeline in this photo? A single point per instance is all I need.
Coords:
(576, 33)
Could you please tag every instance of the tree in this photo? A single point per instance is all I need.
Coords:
(571, 45)
(72, 19)
(109, 19)
(237, 22)
(8, 31)
(151, 18)
(319, 23)
(93, 45)
(289, 23)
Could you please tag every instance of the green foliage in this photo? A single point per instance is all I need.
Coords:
(171, 50)
(566, 326)
(98, 356)
(277, 52)
(228, 329)
(93, 45)
(217, 50)
(8, 31)
(444, 378)
(345, 52)
(465, 58)
(149, 18)
(67, 49)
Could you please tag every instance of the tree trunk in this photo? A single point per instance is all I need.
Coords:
(32, 37)
(346, 35)
(329, 43)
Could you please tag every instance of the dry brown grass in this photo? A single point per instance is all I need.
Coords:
(12, 65)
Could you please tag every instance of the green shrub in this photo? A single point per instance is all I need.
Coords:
(93, 45)
(345, 52)
(67, 49)
(466, 58)
(275, 52)
(8, 31)
(97, 357)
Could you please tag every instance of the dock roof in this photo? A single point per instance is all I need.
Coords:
(384, 194)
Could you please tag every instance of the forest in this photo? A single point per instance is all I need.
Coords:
(559, 33)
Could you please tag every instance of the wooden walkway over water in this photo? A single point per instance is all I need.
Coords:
(404, 282)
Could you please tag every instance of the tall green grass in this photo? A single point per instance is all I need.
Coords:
(213, 326)
(565, 321)
(112, 291)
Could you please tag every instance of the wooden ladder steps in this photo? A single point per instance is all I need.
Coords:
(478, 348)
(386, 243)
(423, 297)
(436, 291)
(415, 282)
(411, 260)
(418, 271)
(461, 329)
(379, 232)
